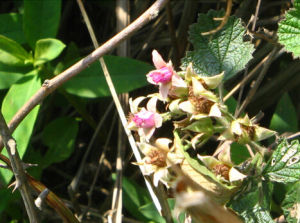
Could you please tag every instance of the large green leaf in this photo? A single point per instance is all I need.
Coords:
(11, 27)
(289, 30)
(285, 117)
(127, 75)
(291, 204)
(284, 165)
(8, 78)
(47, 50)
(41, 19)
(222, 51)
(59, 136)
(18, 94)
(253, 203)
(12, 53)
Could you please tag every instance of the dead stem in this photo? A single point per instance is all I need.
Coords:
(17, 167)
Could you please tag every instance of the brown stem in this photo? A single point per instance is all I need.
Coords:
(17, 168)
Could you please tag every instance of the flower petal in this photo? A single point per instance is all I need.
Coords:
(163, 143)
(213, 81)
(151, 105)
(164, 90)
(158, 60)
(215, 111)
(187, 106)
(160, 173)
(135, 103)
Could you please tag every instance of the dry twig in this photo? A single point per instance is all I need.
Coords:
(17, 168)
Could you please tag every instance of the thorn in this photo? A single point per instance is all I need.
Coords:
(27, 165)
(46, 83)
(41, 198)
(17, 185)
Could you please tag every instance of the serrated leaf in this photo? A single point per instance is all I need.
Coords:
(18, 94)
(222, 51)
(284, 165)
(11, 26)
(41, 19)
(127, 75)
(284, 118)
(291, 204)
(12, 53)
(59, 136)
(289, 30)
(47, 50)
(253, 203)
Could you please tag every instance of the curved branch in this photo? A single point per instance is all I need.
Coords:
(50, 85)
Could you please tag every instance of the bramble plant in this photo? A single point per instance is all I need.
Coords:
(204, 151)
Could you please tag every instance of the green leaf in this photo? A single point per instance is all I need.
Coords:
(239, 153)
(284, 165)
(222, 51)
(289, 30)
(203, 125)
(135, 197)
(41, 19)
(149, 211)
(127, 74)
(59, 136)
(11, 27)
(12, 53)
(8, 78)
(291, 204)
(253, 203)
(18, 94)
(47, 50)
(284, 118)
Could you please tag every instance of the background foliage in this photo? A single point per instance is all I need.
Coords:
(40, 39)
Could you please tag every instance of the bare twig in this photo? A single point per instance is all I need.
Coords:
(120, 110)
(101, 159)
(224, 20)
(172, 32)
(256, 15)
(17, 168)
(50, 85)
(247, 78)
(258, 81)
(72, 188)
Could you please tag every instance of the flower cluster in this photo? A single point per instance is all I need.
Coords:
(197, 114)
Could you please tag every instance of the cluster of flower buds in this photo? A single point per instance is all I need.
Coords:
(197, 114)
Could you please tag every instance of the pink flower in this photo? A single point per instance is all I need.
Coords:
(164, 75)
(145, 121)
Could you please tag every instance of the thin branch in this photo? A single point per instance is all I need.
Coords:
(224, 20)
(258, 81)
(17, 168)
(121, 112)
(247, 78)
(51, 85)
(72, 188)
(172, 32)
(256, 15)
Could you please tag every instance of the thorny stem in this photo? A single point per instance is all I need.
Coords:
(17, 168)
(51, 85)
